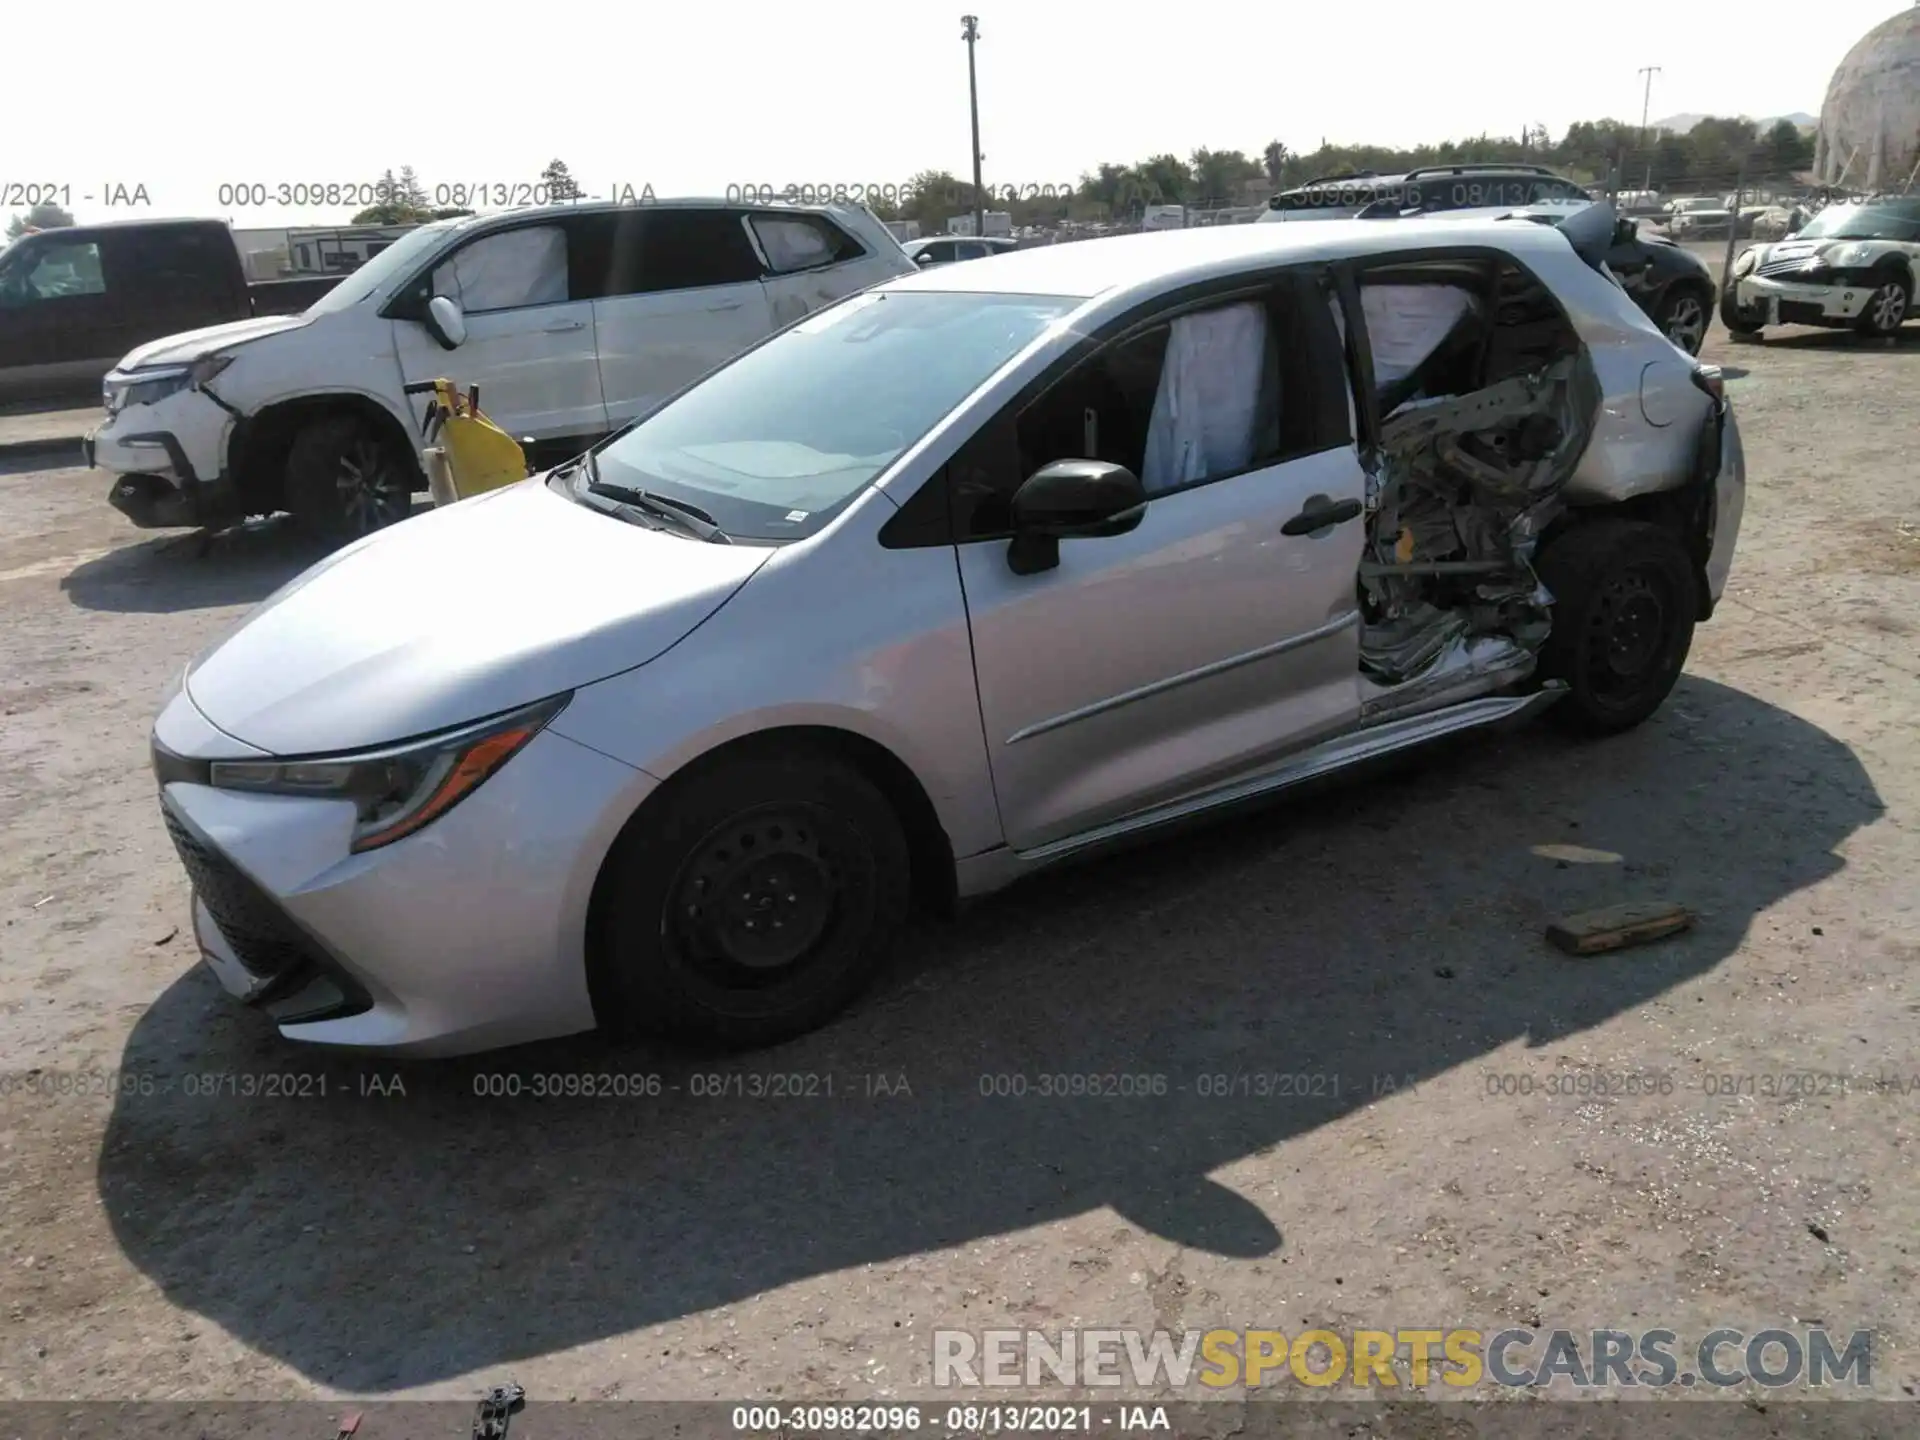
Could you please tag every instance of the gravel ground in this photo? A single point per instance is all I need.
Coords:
(1384, 937)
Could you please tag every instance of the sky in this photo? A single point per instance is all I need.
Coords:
(127, 99)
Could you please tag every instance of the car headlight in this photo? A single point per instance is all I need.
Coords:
(148, 387)
(1748, 259)
(1844, 257)
(404, 788)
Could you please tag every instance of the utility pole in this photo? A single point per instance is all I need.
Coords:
(970, 32)
(1646, 108)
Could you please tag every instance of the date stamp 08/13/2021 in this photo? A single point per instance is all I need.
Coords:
(45, 1084)
(323, 193)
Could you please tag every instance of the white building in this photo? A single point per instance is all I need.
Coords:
(1869, 135)
(333, 250)
(999, 222)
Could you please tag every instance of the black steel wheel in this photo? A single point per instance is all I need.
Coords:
(760, 895)
(749, 902)
(1626, 596)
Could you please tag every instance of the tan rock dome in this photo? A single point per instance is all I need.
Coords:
(1870, 122)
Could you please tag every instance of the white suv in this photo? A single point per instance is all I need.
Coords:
(572, 321)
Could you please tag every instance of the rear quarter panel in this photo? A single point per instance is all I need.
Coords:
(1651, 411)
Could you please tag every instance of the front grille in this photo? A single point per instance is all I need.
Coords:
(1792, 265)
(264, 940)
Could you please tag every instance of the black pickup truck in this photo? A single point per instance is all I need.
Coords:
(75, 299)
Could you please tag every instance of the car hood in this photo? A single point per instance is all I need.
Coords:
(459, 614)
(192, 344)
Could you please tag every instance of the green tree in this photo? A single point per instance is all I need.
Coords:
(932, 197)
(559, 182)
(1220, 176)
(1165, 180)
(1274, 160)
(404, 202)
(45, 216)
(1785, 150)
(409, 190)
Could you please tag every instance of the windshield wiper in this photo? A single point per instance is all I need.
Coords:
(662, 507)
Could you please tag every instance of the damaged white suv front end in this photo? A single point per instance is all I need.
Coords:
(168, 429)
(1851, 267)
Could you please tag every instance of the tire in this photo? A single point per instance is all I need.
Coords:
(1625, 599)
(809, 841)
(1683, 316)
(345, 479)
(1886, 308)
(1734, 319)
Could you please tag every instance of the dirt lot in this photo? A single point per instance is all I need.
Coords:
(164, 1244)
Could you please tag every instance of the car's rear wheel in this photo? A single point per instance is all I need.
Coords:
(754, 904)
(1625, 597)
(1682, 318)
(345, 479)
(1886, 308)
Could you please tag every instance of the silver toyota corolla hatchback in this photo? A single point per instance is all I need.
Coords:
(983, 568)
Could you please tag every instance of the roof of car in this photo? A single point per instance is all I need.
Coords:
(1166, 258)
(676, 202)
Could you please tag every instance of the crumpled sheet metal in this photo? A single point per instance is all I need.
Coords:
(1441, 501)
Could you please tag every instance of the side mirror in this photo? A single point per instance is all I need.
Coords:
(445, 322)
(925, 257)
(1071, 499)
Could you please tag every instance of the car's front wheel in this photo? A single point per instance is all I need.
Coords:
(1625, 597)
(345, 479)
(750, 903)
(1682, 318)
(1886, 308)
(1743, 323)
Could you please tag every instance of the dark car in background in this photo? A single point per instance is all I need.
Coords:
(1674, 287)
(75, 299)
(1429, 190)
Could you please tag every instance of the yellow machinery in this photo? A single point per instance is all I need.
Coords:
(466, 454)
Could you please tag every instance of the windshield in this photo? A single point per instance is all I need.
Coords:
(390, 265)
(1874, 220)
(774, 444)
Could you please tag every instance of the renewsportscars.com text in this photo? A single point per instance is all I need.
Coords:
(1220, 1359)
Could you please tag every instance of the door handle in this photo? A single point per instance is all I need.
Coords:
(564, 327)
(730, 305)
(1320, 514)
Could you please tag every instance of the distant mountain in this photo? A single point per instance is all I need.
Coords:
(1681, 124)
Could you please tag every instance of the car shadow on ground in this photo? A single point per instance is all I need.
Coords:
(1391, 927)
(1907, 342)
(196, 570)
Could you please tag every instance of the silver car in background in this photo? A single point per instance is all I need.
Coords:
(991, 565)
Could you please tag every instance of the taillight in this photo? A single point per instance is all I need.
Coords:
(1709, 379)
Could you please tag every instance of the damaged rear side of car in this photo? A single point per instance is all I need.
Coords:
(1504, 546)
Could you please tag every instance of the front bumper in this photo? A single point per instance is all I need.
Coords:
(1793, 302)
(170, 459)
(467, 936)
